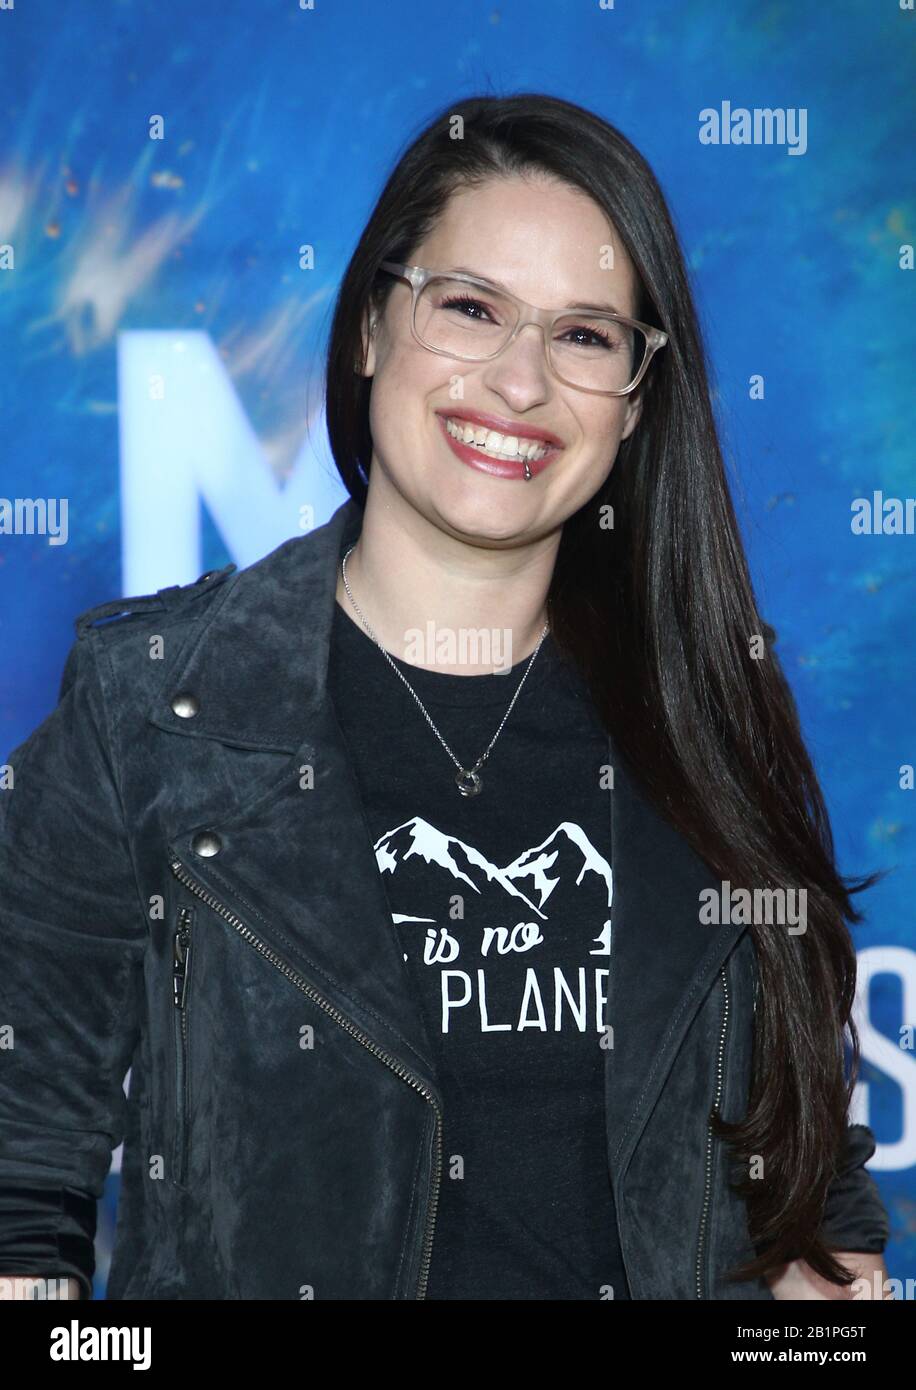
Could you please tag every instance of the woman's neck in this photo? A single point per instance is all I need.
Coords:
(436, 601)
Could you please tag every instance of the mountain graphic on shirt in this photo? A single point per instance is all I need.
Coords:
(428, 865)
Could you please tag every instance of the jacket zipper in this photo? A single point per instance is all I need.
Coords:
(181, 873)
(709, 1141)
(181, 961)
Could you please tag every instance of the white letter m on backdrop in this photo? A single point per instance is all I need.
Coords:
(185, 439)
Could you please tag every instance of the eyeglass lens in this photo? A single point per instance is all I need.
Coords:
(471, 322)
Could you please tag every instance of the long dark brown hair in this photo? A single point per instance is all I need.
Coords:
(660, 622)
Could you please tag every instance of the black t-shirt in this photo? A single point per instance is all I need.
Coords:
(502, 906)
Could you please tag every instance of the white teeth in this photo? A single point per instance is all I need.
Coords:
(496, 445)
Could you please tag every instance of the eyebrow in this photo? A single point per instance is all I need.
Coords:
(497, 285)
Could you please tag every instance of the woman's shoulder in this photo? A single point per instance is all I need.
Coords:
(116, 611)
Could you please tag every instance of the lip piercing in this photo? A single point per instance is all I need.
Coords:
(527, 472)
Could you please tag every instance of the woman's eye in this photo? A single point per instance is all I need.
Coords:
(590, 337)
(471, 308)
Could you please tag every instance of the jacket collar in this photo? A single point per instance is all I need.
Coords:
(260, 664)
(298, 867)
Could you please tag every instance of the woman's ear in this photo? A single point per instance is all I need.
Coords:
(633, 412)
(369, 325)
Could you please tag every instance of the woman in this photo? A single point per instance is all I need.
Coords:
(335, 875)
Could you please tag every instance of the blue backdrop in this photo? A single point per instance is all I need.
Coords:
(164, 165)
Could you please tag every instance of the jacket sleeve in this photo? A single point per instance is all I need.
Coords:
(855, 1217)
(72, 935)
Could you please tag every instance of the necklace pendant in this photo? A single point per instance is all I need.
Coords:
(468, 783)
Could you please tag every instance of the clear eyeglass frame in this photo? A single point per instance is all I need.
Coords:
(418, 277)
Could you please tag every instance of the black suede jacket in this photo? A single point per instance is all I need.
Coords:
(177, 899)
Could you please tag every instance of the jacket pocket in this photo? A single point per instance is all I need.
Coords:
(182, 957)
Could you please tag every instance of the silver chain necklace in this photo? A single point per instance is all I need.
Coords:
(468, 780)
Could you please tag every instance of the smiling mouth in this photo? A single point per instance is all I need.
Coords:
(507, 448)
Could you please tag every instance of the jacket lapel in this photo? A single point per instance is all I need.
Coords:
(297, 865)
(663, 958)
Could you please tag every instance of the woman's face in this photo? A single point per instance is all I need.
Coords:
(545, 242)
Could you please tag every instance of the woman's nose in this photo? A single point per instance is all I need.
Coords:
(521, 373)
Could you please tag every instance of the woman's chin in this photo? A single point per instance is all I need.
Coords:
(480, 522)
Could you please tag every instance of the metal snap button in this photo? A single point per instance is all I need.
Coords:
(206, 844)
(185, 705)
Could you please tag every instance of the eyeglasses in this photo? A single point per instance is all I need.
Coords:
(459, 316)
